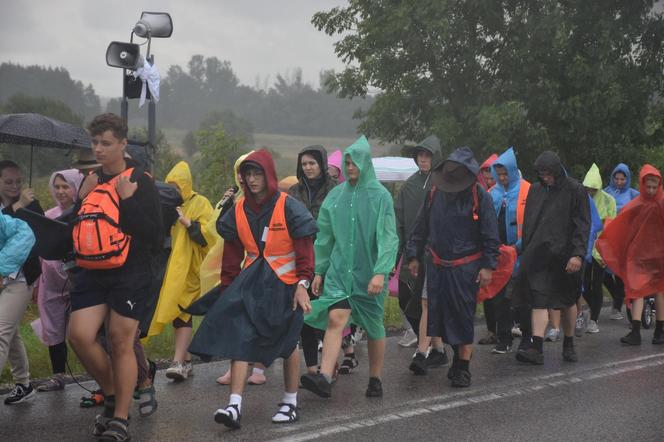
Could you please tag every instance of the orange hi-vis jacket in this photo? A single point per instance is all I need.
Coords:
(279, 250)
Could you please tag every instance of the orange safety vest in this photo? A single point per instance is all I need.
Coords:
(279, 251)
(521, 206)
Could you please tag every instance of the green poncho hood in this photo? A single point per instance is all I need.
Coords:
(360, 154)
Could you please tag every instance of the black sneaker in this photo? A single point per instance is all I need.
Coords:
(489, 339)
(501, 349)
(229, 416)
(460, 378)
(419, 364)
(632, 338)
(525, 342)
(375, 388)
(658, 339)
(452, 372)
(349, 363)
(20, 393)
(437, 359)
(530, 356)
(569, 354)
(317, 384)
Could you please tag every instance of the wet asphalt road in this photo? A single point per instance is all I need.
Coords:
(613, 393)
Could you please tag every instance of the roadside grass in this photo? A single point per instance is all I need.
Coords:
(158, 348)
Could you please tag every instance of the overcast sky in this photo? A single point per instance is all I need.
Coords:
(259, 37)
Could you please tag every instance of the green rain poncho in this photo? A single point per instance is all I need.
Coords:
(605, 203)
(357, 240)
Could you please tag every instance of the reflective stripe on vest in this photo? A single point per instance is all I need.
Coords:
(279, 251)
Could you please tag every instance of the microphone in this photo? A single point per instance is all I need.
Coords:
(228, 200)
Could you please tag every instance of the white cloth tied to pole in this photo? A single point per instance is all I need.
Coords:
(150, 76)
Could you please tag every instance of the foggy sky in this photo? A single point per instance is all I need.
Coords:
(259, 37)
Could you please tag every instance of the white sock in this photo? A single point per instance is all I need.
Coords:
(257, 371)
(288, 398)
(236, 399)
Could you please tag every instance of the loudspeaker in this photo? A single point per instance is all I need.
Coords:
(154, 25)
(124, 55)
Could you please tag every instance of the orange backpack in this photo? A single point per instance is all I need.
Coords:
(99, 242)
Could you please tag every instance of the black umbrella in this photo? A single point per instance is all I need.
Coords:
(38, 130)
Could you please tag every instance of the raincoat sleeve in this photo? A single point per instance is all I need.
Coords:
(420, 234)
(324, 240)
(401, 227)
(17, 240)
(386, 237)
(580, 223)
(488, 231)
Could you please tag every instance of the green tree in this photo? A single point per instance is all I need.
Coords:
(577, 76)
(215, 166)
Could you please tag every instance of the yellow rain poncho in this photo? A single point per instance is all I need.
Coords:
(211, 266)
(182, 284)
(605, 203)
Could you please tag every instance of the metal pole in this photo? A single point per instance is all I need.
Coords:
(124, 104)
(152, 127)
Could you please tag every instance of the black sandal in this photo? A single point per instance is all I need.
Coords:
(116, 431)
(291, 414)
(148, 406)
(226, 416)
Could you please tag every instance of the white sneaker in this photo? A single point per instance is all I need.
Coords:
(592, 327)
(581, 323)
(177, 371)
(409, 339)
(188, 368)
(552, 335)
(616, 315)
(516, 332)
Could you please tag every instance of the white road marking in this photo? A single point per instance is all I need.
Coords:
(456, 400)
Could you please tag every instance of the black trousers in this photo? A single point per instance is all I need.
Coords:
(616, 287)
(502, 312)
(411, 305)
(593, 278)
(490, 315)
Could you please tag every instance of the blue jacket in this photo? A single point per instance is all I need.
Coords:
(624, 195)
(596, 227)
(510, 196)
(16, 241)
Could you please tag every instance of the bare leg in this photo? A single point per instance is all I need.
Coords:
(84, 325)
(238, 376)
(465, 352)
(659, 306)
(292, 372)
(424, 340)
(637, 309)
(376, 357)
(569, 322)
(122, 331)
(554, 318)
(539, 320)
(182, 341)
(337, 320)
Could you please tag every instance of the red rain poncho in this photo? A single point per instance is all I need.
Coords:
(632, 244)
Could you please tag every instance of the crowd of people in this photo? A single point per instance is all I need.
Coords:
(274, 269)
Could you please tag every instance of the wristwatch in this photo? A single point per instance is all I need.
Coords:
(304, 283)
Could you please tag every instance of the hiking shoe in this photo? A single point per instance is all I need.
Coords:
(581, 324)
(632, 338)
(452, 372)
(658, 338)
(525, 343)
(593, 327)
(54, 383)
(177, 371)
(20, 393)
(349, 363)
(375, 388)
(419, 364)
(317, 384)
(616, 315)
(516, 332)
(188, 368)
(501, 349)
(530, 356)
(489, 339)
(116, 431)
(569, 354)
(460, 379)
(552, 335)
(409, 339)
(437, 359)
(229, 416)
